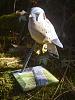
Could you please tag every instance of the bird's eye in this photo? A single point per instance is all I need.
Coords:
(37, 15)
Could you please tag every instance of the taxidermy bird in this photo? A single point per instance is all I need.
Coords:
(42, 31)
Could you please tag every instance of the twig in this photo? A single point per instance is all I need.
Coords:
(71, 84)
(61, 94)
(28, 58)
(43, 93)
(35, 94)
(61, 81)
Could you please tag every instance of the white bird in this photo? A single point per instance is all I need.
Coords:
(42, 30)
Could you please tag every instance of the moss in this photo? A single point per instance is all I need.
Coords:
(10, 22)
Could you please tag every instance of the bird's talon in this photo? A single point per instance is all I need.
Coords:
(44, 48)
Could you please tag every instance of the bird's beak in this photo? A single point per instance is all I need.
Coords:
(30, 16)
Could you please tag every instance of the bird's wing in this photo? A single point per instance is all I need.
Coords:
(52, 34)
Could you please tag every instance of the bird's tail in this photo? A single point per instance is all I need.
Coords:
(52, 49)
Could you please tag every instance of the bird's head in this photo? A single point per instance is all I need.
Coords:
(37, 13)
